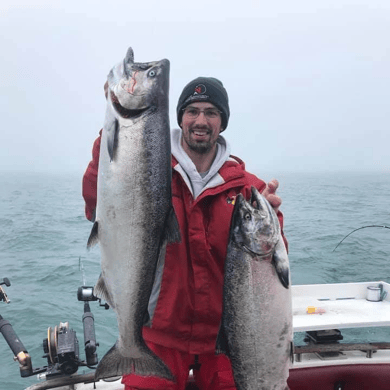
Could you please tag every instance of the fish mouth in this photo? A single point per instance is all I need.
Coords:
(125, 112)
(250, 251)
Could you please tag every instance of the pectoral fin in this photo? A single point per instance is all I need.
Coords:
(281, 263)
(221, 345)
(112, 138)
(172, 230)
(292, 352)
(94, 236)
(100, 290)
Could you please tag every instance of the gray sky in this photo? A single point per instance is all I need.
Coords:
(308, 80)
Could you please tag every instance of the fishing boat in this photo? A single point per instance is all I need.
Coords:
(323, 361)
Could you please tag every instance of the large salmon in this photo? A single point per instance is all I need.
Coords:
(134, 217)
(256, 327)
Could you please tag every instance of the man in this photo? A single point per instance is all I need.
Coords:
(186, 302)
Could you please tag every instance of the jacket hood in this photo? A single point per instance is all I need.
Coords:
(197, 182)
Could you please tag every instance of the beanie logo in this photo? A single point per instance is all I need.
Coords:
(200, 89)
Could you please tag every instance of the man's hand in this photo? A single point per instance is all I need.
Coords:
(270, 194)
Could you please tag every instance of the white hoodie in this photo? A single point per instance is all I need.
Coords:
(198, 182)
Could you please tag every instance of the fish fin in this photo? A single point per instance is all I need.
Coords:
(128, 61)
(292, 352)
(281, 264)
(221, 345)
(100, 291)
(112, 138)
(147, 364)
(94, 236)
(172, 231)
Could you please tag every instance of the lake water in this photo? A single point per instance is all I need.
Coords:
(43, 235)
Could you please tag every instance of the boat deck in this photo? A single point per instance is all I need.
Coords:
(359, 366)
(344, 305)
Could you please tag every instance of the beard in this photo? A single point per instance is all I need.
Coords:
(200, 147)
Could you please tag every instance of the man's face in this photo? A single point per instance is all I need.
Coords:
(200, 134)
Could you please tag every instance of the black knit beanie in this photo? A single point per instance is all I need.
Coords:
(205, 89)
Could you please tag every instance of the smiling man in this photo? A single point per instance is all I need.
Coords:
(202, 113)
(185, 306)
(200, 132)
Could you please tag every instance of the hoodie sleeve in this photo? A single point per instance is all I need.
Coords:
(90, 181)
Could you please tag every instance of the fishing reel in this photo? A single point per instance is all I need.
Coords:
(62, 350)
(61, 347)
(86, 294)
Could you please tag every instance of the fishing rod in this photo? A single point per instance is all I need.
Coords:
(363, 227)
(13, 341)
(61, 347)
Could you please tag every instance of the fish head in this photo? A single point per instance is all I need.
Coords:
(255, 226)
(136, 87)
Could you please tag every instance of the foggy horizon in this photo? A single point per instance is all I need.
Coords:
(308, 83)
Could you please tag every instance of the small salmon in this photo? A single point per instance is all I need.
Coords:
(256, 327)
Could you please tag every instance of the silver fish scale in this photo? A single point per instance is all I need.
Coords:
(257, 318)
(134, 208)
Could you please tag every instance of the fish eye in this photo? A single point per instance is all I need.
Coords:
(152, 73)
(248, 216)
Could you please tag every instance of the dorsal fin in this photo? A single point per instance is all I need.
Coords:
(129, 60)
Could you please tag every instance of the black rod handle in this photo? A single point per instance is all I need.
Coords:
(89, 336)
(17, 347)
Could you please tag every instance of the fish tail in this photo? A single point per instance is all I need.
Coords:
(114, 364)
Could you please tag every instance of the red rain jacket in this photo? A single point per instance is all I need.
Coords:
(187, 294)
